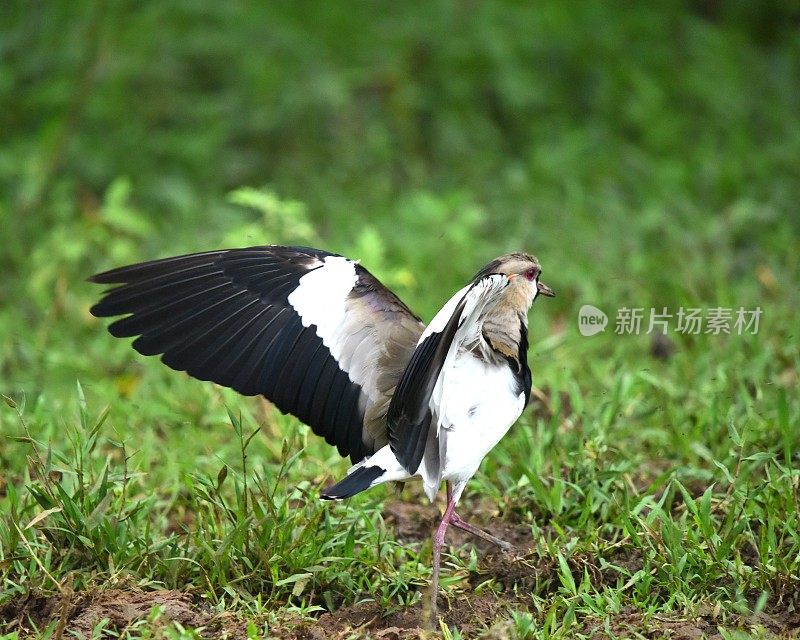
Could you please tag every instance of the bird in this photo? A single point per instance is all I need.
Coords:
(324, 340)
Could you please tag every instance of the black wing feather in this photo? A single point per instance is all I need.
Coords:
(224, 316)
(320, 397)
(293, 374)
(277, 356)
(155, 268)
(310, 379)
(225, 334)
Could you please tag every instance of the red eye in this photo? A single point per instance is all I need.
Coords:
(531, 274)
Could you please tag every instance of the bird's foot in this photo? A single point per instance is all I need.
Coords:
(457, 521)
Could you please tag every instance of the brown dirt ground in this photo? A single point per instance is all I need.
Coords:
(514, 573)
(471, 613)
(80, 613)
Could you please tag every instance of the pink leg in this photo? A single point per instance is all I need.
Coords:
(438, 543)
(451, 517)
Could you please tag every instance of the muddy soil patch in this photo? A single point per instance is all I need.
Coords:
(118, 610)
(473, 614)
(487, 615)
(470, 613)
(26, 613)
(123, 609)
(706, 625)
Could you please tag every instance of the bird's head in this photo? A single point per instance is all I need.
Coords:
(523, 271)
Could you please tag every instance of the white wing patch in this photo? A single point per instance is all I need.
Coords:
(320, 299)
(439, 321)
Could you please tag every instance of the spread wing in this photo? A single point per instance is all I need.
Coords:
(418, 395)
(313, 332)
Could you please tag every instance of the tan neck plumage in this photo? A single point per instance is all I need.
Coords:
(502, 328)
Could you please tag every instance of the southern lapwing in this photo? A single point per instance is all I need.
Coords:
(319, 336)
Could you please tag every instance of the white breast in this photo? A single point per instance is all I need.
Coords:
(480, 402)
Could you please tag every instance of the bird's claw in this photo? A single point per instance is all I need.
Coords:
(506, 547)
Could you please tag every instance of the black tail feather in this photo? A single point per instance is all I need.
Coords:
(354, 483)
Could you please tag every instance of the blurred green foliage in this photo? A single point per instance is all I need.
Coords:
(532, 124)
(647, 153)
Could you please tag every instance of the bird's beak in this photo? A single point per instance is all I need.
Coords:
(542, 288)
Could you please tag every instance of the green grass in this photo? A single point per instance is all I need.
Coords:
(666, 489)
(647, 155)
